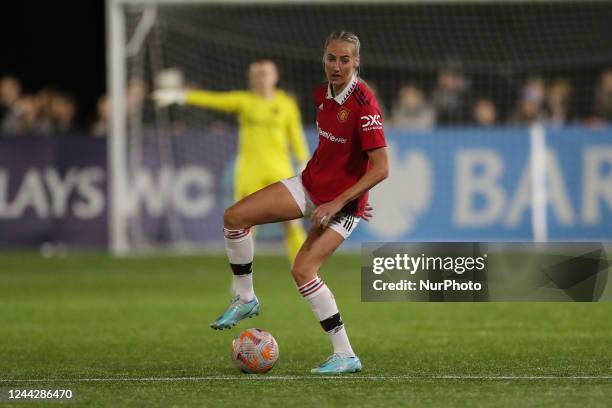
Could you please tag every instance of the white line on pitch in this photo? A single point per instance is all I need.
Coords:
(309, 377)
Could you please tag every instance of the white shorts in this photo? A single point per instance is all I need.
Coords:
(343, 223)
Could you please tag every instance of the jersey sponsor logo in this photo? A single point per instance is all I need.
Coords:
(329, 136)
(371, 120)
(343, 114)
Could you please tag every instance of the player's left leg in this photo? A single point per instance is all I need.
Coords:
(319, 245)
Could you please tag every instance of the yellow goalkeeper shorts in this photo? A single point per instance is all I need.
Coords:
(245, 186)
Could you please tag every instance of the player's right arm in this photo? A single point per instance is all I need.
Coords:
(229, 102)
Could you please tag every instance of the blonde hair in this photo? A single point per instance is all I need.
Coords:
(347, 36)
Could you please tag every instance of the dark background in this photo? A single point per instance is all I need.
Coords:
(495, 45)
(62, 45)
(56, 44)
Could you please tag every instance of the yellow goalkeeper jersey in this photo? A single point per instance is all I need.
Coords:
(269, 131)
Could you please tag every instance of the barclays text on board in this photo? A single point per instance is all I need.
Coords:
(445, 185)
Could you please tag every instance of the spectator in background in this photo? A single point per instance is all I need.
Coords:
(412, 112)
(63, 111)
(529, 106)
(10, 92)
(100, 126)
(451, 98)
(603, 96)
(137, 92)
(29, 121)
(484, 112)
(45, 98)
(558, 96)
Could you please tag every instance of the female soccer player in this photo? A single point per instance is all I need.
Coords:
(270, 127)
(333, 190)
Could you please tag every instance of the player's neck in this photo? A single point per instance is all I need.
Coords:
(337, 89)
(266, 93)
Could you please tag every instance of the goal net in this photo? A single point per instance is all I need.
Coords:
(439, 68)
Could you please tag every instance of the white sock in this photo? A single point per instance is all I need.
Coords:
(324, 307)
(240, 251)
(242, 286)
(341, 342)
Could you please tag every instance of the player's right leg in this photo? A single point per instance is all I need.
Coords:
(294, 231)
(270, 204)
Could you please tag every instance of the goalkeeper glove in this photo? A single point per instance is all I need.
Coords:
(166, 97)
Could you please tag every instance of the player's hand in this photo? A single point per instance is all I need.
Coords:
(323, 214)
(367, 214)
(166, 97)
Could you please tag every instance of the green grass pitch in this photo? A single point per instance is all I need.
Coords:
(134, 332)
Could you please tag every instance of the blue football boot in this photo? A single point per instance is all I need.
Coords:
(338, 364)
(236, 311)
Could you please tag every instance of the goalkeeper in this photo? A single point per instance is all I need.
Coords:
(270, 130)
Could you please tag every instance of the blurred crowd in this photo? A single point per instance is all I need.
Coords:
(451, 102)
(44, 113)
(51, 112)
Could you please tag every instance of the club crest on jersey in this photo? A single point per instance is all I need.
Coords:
(371, 122)
(343, 114)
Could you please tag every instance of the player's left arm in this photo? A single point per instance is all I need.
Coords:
(378, 171)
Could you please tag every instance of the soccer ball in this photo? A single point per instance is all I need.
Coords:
(254, 351)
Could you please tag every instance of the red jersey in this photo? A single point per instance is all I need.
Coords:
(349, 125)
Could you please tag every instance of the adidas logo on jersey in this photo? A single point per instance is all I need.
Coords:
(321, 107)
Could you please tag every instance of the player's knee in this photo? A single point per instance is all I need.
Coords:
(233, 218)
(303, 272)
